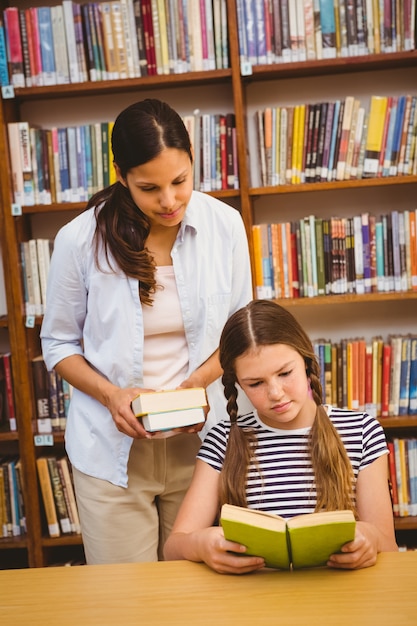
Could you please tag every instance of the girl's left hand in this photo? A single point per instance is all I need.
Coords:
(359, 553)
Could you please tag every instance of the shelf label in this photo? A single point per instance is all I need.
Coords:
(30, 321)
(16, 209)
(44, 440)
(7, 92)
(246, 68)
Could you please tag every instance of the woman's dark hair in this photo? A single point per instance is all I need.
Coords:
(140, 133)
(264, 323)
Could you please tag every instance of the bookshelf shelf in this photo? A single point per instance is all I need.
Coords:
(349, 299)
(8, 436)
(7, 543)
(64, 540)
(405, 523)
(80, 206)
(400, 422)
(334, 186)
(102, 87)
(341, 65)
(243, 93)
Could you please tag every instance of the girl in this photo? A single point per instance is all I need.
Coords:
(140, 287)
(291, 455)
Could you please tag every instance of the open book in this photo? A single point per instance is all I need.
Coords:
(302, 541)
(162, 410)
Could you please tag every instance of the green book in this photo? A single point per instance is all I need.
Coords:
(302, 541)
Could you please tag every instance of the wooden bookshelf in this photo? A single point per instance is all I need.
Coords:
(38, 549)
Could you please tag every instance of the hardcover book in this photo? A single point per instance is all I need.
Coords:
(302, 541)
(169, 400)
(166, 420)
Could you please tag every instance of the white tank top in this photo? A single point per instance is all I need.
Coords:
(165, 347)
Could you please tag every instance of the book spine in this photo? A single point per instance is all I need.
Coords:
(58, 494)
(74, 70)
(14, 46)
(4, 68)
(60, 48)
(404, 376)
(40, 384)
(48, 497)
(47, 46)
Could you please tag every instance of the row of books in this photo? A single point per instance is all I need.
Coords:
(35, 257)
(340, 140)
(316, 256)
(57, 489)
(403, 475)
(284, 31)
(12, 508)
(377, 376)
(72, 42)
(70, 164)
(52, 395)
(7, 403)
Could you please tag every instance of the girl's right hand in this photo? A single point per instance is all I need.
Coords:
(225, 557)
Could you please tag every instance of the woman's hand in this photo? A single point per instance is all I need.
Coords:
(225, 557)
(359, 553)
(119, 403)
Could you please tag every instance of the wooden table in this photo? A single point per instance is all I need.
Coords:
(179, 592)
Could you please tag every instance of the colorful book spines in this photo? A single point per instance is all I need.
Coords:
(339, 140)
(33, 38)
(322, 29)
(369, 377)
(343, 255)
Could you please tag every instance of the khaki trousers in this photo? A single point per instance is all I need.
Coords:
(121, 525)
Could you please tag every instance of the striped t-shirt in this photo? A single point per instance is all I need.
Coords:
(283, 481)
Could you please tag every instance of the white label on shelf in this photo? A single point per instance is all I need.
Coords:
(44, 440)
(7, 92)
(30, 321)
(16, 209)
(246, 68)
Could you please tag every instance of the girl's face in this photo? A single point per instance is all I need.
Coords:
(162, 187)
(275, 380)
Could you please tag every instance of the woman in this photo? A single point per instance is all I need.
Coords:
(139, 289)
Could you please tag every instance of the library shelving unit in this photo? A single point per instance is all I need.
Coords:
(208, 90)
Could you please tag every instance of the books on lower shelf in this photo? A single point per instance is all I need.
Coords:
(7, 403)
(302, 541)
(166, 409)
(359, 254)
(12, 507)
(402, 462)
(58, 496)
(52, 398)
(378, 376)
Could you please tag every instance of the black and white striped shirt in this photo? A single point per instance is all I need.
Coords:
(283, 482)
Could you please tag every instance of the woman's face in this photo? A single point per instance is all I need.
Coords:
(162, 187)
(275, 380)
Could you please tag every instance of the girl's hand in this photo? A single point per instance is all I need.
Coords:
(359, 553)
(225, 557)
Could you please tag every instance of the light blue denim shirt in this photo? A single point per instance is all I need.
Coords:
(98, 314)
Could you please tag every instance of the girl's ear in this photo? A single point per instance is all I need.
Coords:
(119, 175)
